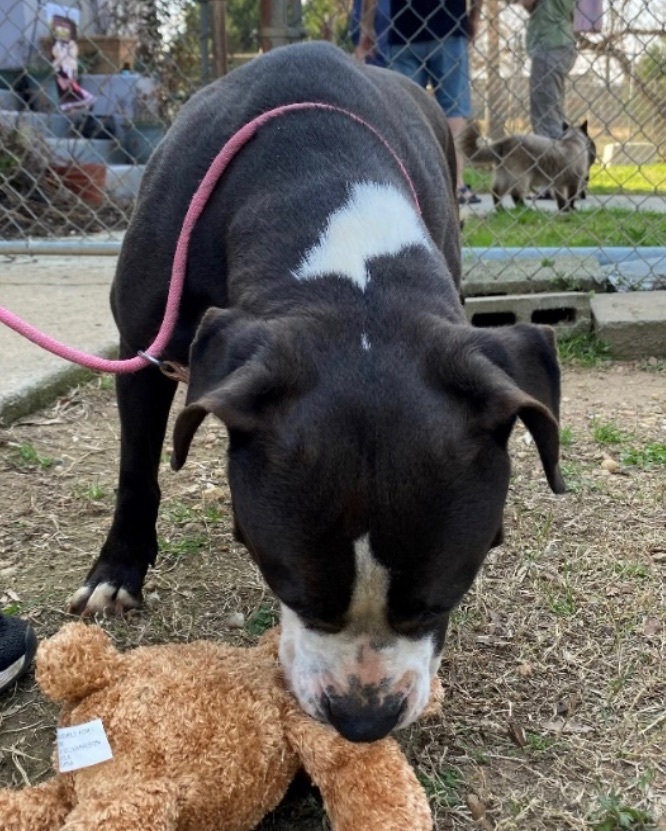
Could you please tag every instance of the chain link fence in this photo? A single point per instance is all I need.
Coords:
(88, 88)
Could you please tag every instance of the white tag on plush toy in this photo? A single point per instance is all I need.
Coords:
(82, 746)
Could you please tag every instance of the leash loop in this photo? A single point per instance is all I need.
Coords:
(175, 371)
(199, 201)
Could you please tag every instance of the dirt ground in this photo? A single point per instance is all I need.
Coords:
(555, 710)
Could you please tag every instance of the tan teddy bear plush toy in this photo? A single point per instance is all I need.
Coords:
(204, 737)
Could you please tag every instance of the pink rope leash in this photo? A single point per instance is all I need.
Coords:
(196, 207)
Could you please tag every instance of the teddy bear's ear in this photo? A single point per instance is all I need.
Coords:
(75, 662)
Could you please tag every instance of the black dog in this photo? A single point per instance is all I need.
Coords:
(368, 422)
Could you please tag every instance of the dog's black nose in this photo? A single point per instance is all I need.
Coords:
(358, 721)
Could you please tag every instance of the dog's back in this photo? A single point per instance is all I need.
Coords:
(288, 158)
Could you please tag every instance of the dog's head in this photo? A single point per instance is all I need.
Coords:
(368, 480)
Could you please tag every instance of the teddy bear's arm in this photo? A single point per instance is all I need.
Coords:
(368, 786)
(42, 808)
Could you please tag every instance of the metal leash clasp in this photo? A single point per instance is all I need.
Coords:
(172, 369)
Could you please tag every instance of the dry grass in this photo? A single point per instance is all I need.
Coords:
(554, 716)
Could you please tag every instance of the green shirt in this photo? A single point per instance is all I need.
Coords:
(550, 25)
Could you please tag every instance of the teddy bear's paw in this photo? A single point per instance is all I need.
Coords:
(42, 808)
(149, 805)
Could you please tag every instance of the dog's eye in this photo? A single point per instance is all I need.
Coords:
(421, 622)
(312, 622)
(322, 626)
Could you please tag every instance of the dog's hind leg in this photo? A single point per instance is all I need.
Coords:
(517, 196)
(562, 200)
(498, 190)
(115, 580)
(569, 199)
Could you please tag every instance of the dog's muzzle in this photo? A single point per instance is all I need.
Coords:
(363, 688)
(360, 717)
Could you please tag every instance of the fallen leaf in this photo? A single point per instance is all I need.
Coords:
(476, 808)
(517, 734)
(562, 726)
(478, 811)
(652, 626)
(610, 465)
(567, 705)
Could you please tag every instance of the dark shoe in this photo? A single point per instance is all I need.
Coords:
(18, 644)
(466, 196)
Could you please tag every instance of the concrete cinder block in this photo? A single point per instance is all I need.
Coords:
(86, 151)
(567, 312)
(9, 100)
(528, 275)
(630, 152)
(632, 323)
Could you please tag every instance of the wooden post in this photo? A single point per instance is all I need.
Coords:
(280, 23)
(494, 84)
(219, 31)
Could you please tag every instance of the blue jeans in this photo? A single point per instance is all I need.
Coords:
(443, 63)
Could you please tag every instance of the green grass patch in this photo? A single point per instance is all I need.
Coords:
(527, 226)
(25, 455)
(90, 493)
(12, 609)
(566, 436)
(478, 179)
(614, 815)
(261, 620)
(648, 456)
(647, 179)
(442, 787)
(604, 432)
(585, 349)
(177, 549)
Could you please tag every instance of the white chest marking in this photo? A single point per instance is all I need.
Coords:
(376, 220)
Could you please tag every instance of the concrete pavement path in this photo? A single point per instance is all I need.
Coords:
(66, 297)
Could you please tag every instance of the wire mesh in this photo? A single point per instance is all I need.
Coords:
(74, 141)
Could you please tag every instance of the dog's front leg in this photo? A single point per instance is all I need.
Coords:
(115, 580)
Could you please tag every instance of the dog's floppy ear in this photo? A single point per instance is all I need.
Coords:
(235, 373)
(505, 373)
(527, 354)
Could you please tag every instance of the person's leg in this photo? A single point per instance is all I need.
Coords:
(547, 86)
(18, 645)
(407, 60)
(448, 70)
(547, 79)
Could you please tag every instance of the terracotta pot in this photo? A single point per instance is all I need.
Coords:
(88, 181)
